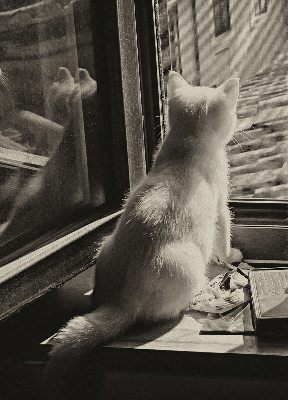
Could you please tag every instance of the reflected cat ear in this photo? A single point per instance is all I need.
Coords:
(231, 89)
(175, 82)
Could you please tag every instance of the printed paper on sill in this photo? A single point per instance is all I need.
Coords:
(223, 293)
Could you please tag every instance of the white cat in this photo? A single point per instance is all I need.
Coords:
(173, 224)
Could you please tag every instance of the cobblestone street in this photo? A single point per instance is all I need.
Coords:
(258, 153)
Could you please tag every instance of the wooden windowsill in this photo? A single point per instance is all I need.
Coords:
(159, 358)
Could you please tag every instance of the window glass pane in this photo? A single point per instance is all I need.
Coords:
(221, 16)
(260, 6)
(174, 38)
(255, 51)
(49, 113)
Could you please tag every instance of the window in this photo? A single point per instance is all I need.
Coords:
(50, 83)
(221, 16)
(174, 39)
(77, 107)
(64, 152)
(261, 6)
(169, 38)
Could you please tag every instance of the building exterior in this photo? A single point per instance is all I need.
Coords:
(212, 40)
(216, 39)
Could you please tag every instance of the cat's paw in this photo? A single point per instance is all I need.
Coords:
(234, 256)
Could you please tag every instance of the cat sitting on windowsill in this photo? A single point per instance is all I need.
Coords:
(173, 225)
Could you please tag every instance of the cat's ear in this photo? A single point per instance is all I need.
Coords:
(231, 89)
(175, 82)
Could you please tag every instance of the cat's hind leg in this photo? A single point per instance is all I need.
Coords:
(181, 275)
(222, 245)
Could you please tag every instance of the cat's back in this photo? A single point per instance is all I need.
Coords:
(189, 174)
(167, 207)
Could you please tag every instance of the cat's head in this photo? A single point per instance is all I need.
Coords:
(208, 114)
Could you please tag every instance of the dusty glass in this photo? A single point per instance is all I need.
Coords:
(48, 91)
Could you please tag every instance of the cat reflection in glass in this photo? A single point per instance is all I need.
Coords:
(50, 188)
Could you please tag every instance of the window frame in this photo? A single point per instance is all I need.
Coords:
(260, 8)
(218, 28)
(262, 211)
(133, 112)
(258, 17)
(114, 168)
(75, 249)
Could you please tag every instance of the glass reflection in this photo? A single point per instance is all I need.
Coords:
(47, 70)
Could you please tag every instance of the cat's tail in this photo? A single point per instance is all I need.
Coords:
(72, 345)
(73, 342)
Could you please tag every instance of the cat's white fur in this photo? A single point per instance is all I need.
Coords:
(173, 223)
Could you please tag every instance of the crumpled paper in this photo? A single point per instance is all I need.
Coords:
(224, 292)
(224, 299)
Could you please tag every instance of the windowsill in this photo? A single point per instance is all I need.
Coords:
(174, 348)
(184, 335)
(257, 19)
(180, 335)
(222, 41)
